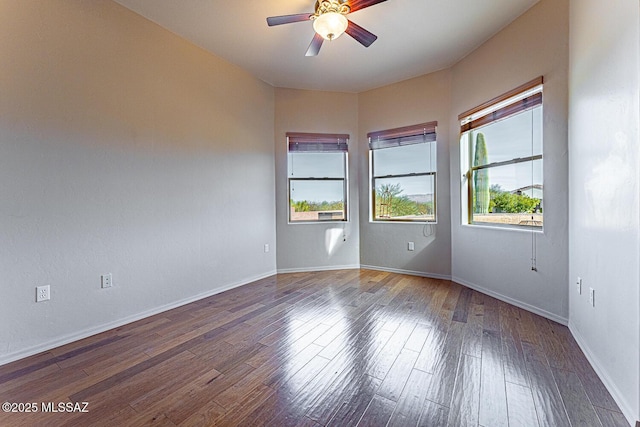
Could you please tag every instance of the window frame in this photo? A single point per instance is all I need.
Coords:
(319, 143)
(524, 98)
(394, 138)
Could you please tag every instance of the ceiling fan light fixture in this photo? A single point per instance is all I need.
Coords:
(329, 22)
(330, 25)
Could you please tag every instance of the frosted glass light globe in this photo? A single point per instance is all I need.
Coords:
(330, 25)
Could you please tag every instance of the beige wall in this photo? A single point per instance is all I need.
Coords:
(314, 246)
(604, 233)
(384, 245)
(305, 246)
(123, 149)
(496, 261)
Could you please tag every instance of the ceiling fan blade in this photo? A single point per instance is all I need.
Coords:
(287, 19)
(364, 37)
(315, 45)
(361, 4)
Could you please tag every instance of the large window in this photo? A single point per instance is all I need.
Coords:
(403, 173)
(501, 159)
(317, 177)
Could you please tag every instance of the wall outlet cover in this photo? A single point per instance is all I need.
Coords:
(106, 280)
(43, 293)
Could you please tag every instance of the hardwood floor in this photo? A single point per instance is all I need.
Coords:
(340, 348)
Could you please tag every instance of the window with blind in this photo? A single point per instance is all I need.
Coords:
(501, 159)
(317, 177)
(402, 165)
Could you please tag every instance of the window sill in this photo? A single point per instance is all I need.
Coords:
(516, 228)
(404, 222)
(317, 222)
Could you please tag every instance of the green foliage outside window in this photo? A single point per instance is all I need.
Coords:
(308, 206)
(391, 203)
(481, 177)
(505, 201)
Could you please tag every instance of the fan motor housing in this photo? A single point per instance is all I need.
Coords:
(338, 6)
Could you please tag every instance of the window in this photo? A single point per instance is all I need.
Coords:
(317, 177)
(403, 173)
(501, 159)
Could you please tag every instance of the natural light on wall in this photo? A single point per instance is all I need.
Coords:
(332, 237)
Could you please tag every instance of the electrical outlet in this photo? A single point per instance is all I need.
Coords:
(106, 280)
(266, 248)
(43, 293)
(592, 297)
(411, 246)
(579, 285)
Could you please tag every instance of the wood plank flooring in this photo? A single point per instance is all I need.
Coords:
(340, 348)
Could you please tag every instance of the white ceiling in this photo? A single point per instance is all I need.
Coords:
(415, 37)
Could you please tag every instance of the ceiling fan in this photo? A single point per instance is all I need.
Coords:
(330, 21)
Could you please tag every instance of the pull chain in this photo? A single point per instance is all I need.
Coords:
(534, 266)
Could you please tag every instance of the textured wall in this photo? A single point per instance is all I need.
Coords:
(499, 261)
(604, 147)
(314, 246)
(123, 149)
(419, 100)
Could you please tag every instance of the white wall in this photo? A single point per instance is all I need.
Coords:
(604, 237)
(384, 245)
(316, 246)
(498, 261)
(123, 149)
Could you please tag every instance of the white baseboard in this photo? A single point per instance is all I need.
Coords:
(625, 406)
(408, 272)
(321, 268)
(368, 267)
(66, 339)
(517, 303)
